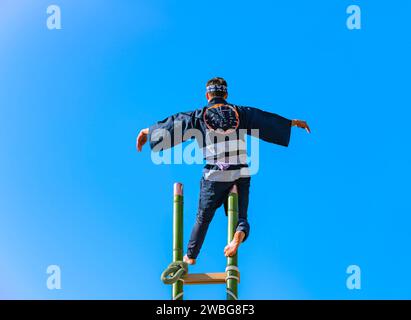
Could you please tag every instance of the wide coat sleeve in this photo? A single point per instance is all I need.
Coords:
(265, 125)
(173, 130)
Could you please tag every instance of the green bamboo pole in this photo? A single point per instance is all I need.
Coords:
(178, 236)
(232, 267)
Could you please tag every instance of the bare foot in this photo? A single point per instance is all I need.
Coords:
(231, 249)
(189, 260)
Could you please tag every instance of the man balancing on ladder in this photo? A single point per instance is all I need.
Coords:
(220, 129)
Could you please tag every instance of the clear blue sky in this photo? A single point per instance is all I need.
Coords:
(74, 192)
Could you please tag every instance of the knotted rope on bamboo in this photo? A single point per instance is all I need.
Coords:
(174, 272)
(231, 276)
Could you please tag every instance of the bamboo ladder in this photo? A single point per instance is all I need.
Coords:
(231, 277)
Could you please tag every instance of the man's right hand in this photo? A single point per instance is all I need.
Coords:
(141, 139)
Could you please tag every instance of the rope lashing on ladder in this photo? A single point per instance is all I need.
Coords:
(174, 272)
(179, 295)
(232, 268)
(232, 294)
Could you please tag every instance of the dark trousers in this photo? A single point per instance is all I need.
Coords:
(212, 195)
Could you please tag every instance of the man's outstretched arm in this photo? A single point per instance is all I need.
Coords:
(182, 121)
(269, 126)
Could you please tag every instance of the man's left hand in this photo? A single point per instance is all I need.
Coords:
(301, 124)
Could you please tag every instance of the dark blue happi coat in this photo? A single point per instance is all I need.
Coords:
(226, 163)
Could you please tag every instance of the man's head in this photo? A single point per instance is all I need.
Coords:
(216, 87)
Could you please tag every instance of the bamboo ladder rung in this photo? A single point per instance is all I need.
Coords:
(205, 278)
(231, 277)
